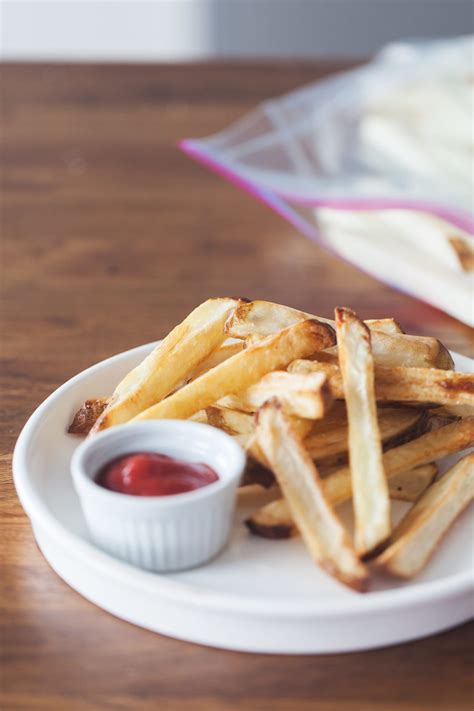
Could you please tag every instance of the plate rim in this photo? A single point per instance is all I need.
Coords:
(191, 594)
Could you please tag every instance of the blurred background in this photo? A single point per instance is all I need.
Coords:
(175, 30)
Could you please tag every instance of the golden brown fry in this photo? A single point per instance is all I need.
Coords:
(242, 370)
(262, 318)
(231, 421)
(255, 473)
(227, 350)
(387, 325)
(322, 532)
(87, 415)
(200, 416)
(328, 441)
(305, 396)
(429, 447)
(393, 350)
(274, 520)
(408, 486)
(418, 534)
(191, 342)
(425, 385)
(369, 484)
(390, 349)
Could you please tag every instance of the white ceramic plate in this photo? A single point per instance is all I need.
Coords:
(258, 595)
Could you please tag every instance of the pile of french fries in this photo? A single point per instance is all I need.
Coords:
(327, 411)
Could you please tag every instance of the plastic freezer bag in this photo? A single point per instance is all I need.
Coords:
(376, 163)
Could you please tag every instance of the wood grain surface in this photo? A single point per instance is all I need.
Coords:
(109, 236)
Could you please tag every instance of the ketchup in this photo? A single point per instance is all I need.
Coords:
(153, 474)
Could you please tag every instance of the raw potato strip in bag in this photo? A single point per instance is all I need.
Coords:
(369, 484)
(324, 535)
(305, 396)
(418, 534)
(262, 318)
(274, 520)
(424, 385)
(243, 369)
(169, 363)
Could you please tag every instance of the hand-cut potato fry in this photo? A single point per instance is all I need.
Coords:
(393, 350)
(169, 363)
(87, 415)
(256, 473)
(227, 350)
(429, 447)
(455, 410)
(231, 421)
(305, 396)
(369, 484)
(328, 441)
(408, 486)
(418, 534)
(402, 460)
(387, 325)
(274, 520)
(390, 349)
(200, 416)
(426, 385)
(324, 535)
(262, 318)
(243, 369)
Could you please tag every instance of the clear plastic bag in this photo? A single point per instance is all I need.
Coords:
(376, 163)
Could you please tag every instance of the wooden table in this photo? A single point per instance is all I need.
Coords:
(109, 237)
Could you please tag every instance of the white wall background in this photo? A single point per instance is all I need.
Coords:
(173, 30)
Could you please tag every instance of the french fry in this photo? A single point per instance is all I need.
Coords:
(256, 473)
(87, 415)
(227, 350)
(419, 533)
(231, 421)
(431, 446)
(408, 486)
(262, 318)
(243, 369)
(447, 440)
(305, 396)
(274, 520)
(190, 343)
(426, 385)
(393, 350)
(322, 532)
(329, 441)
(200, 416)
(387, 325)
(369, 484)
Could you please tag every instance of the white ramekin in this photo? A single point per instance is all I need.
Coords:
(161, 533)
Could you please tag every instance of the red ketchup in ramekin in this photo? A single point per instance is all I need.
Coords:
(153, 474)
